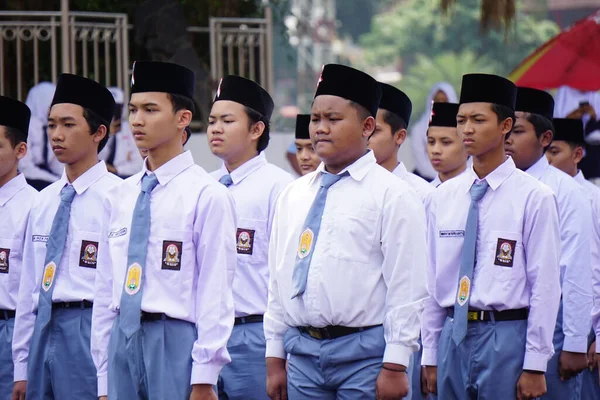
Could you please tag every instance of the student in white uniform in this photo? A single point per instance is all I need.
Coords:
(493, 271)
(238, 133)
(121, 155)
(527, 144)
(565, 153)
(52, 328)
(447, 154)
(308, 160)
(164, 309)
(16, 199)
(346, 260)
(392, 120)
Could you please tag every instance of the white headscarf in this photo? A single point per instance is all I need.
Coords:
(418, 131)
(39, 99)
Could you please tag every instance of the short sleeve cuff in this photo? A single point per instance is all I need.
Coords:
(536, 361)
(429, 357)
(576, 344)
(597, 341)
(20, 372)
(205, 374)
(397, 354)
(275, 349)
(102, 385)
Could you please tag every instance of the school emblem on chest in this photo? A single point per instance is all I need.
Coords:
(464, 289)
(505, 252)
(245, 241)
(306, 243)
(133, 279)
(48, 276)
(4, 254)
(171, 258)
(88, 254)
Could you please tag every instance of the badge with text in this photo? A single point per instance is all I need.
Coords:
(48, 276)
(171, 257)
(505, 252)
(245, 241)
(452, 233)
(464, 289)
(133, 279)
(306, 243)
(88, 254)
(39, 238)
(116, 234)
(4, 254)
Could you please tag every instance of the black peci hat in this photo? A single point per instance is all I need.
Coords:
(155, 76)
(394, 100)
(444, 114)
(246, 92)
(535, 102)
(569, 130)
(302, 122)
(84, 92)
(16, 115)
(484, 88)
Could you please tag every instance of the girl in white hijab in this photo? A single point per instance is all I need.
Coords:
(440, 92)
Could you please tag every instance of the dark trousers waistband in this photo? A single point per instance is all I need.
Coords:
(7, 314)
(248, 319)
(332, 332)
(485, 316)
(146, 316)
(73, 304)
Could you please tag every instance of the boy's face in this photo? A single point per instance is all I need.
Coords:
(383, 141)
(445, 149)
(563, 156)
(230, 134)
(308, 161)
(9, 155)
(70, 134)
(523, 145)
(338, 134)
(479, 129)
(152, 120)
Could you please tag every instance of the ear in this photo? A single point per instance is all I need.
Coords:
(546, 138)
(21, 150)
(368, 127)
(507, 125)
(400, 137)
(184, 118)
(578, 154)
(256, 130)
(100, 134)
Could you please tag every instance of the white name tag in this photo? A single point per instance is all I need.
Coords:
(452, 233)
(39, 238)
(120, 232)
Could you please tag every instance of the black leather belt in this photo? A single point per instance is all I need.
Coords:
(248, 319)
(332, 332)
(73, 304)
(146, 316)
(485, 316)
(7, 314)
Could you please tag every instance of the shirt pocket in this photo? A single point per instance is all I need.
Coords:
(252, 241)
(10, 251)
(83, 253)
(350, 237)
(171, 256)
(504, 255)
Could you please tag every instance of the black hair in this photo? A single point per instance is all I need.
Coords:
(118, 112)
(180, 102)
(255, 117)
(540, 123)
(94, 122)
(188, 133)
(362, 111)
(14, 136)
(395, 121)
(503, 112)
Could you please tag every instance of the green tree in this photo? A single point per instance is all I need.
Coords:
(421, 27)
(445, 67)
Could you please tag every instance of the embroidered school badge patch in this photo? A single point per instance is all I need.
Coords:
(464, 289)
(245, 241)
(48, 276)
(133, 279)
(88, 254)
(505, 252)
(4, 254)
(171, 258)
(306, 243)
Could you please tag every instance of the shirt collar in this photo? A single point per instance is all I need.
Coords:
(436, 181)
(11, 188)
(357, 170)
(538, 169)
(400, 170)
(496, 177)
(170, 169)
(579, 177)
(87, 179)
(247, 168)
